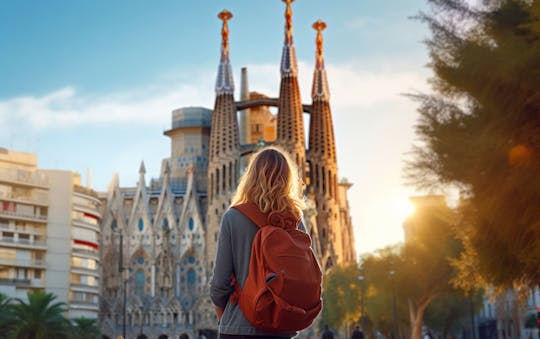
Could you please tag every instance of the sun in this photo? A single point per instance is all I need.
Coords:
(404, 208)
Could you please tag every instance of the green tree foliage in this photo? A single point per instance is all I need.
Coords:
(85, 328)
(5, 315)
(341, 297)
(426, 270)
(380, 288)
(480, 132)
(448, 314)
(39, 318)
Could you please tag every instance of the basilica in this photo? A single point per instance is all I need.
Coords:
(158, 239)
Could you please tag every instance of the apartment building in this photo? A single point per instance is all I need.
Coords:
(49, 228)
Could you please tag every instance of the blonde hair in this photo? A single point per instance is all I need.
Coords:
(271, 182)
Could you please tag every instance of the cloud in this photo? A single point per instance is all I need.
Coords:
(350, 85)
(68, 108)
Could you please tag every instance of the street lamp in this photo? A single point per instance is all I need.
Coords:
(362, 290)
(121, 270)
(392, 273)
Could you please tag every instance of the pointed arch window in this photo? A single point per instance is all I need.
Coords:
(139, 282)
(191, 224)
(191, 277)
(141, 224)
(165, 223)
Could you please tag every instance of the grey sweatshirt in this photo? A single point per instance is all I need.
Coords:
(233, 254)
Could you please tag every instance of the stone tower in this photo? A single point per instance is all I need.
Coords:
(290, 123)
(322, 158)
(224, 158)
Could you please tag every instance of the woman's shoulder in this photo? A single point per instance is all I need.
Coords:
(232, 215)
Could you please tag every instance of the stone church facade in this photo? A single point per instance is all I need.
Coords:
(159, 239)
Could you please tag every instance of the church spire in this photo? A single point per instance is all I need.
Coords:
(290, 123)
(289, 66)
(224, 81)
(322, 158)
(320, 82)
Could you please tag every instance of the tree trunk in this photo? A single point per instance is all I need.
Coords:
(417, 318)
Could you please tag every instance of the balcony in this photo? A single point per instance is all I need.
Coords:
(24, 178)
(24, 229)
(23, 216)
(36, 198)
(86, 192)
(84, 304)
(23, 263)
(15, 282)
(85, 288)
(83, 223)
(84, 270)
(33, 244)
(93, 254)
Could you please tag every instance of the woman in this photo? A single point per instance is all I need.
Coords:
(270, 182)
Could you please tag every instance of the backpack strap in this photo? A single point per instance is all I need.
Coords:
(253, 213)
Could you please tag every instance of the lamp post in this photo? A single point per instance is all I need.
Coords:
(121, 270)
(362, 290)
(394, 307)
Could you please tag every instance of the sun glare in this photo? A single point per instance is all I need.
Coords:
(404, 208)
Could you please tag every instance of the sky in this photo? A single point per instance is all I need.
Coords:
(89, 86)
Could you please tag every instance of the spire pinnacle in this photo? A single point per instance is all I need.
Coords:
(288, 22)
(142, 168)
(319, 26)
(224, 81)
(288, 58)
(225, 16)
(320, 89)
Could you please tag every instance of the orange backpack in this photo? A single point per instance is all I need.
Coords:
(282, 292)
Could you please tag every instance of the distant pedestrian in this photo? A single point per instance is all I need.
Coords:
(357, 333)
(327, 333)
(201, 335)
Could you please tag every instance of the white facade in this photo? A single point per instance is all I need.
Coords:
(49, 231)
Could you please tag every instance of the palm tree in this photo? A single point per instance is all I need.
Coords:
(85, 328)
(39, 318)
(5, 315)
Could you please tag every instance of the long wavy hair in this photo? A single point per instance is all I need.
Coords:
(271, 182)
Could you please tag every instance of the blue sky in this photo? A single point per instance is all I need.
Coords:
(91, 84)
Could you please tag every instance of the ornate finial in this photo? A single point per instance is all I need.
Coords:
(320, 89)
(319, 26)
(225, 16)
(288, 58)
(288, 22)
(224, 81)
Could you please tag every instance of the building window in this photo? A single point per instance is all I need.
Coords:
(191, 276)
(141, 224)
(139, 282)
(190, 224)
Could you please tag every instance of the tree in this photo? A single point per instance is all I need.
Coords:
(39, 318)
(341, 296)
(85, 328)
(5, 315)
(426, 270)
(380, 289)
(450, 313)
(480, 132)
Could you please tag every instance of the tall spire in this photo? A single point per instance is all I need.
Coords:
(322, 159)
(290, 123)
(224, 81)
(289, 66)
(320, 89)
